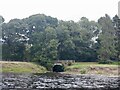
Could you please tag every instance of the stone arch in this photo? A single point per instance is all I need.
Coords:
(58, 68)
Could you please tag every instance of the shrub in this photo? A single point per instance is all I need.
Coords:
(44, 62)
(116, 63)
(69, 63)
(105, 62)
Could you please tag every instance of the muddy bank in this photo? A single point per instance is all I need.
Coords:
(57, 81)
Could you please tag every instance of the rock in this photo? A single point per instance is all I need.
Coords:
(84, 82)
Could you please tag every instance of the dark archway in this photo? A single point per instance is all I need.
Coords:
(58, 68)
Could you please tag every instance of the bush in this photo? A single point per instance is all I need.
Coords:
(105, 62)
(44, 62)
(116, 63)
(69, 63)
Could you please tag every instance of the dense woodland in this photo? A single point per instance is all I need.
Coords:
(44, 39)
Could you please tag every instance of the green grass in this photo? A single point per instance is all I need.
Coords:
(92, 68)
(87, 64)
(75, 68)
(21, 67)
(116, 63)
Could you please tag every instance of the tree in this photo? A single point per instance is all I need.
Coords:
(107, 38)
(65, 38)
(15, 38)
(1, 23)
(1, 19)
(44, 49)
(89, 32)
(116, 24)
(44, 39)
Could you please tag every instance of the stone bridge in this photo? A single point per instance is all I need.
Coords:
(60, 64)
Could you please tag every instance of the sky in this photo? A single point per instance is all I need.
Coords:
(61, 9)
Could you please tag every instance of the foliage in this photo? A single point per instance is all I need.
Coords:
(44, 39)
(116, 24)
(69, 63)
(105, 62)
(107, 50)
(44, 62)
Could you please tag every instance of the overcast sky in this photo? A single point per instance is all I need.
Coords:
(61, 9)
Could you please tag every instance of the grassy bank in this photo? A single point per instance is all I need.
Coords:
(21, 67)
(75, 68)
(92, 68)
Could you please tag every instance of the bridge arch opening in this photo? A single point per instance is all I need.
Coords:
(58, 68)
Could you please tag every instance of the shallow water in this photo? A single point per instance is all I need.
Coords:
(58, 81)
